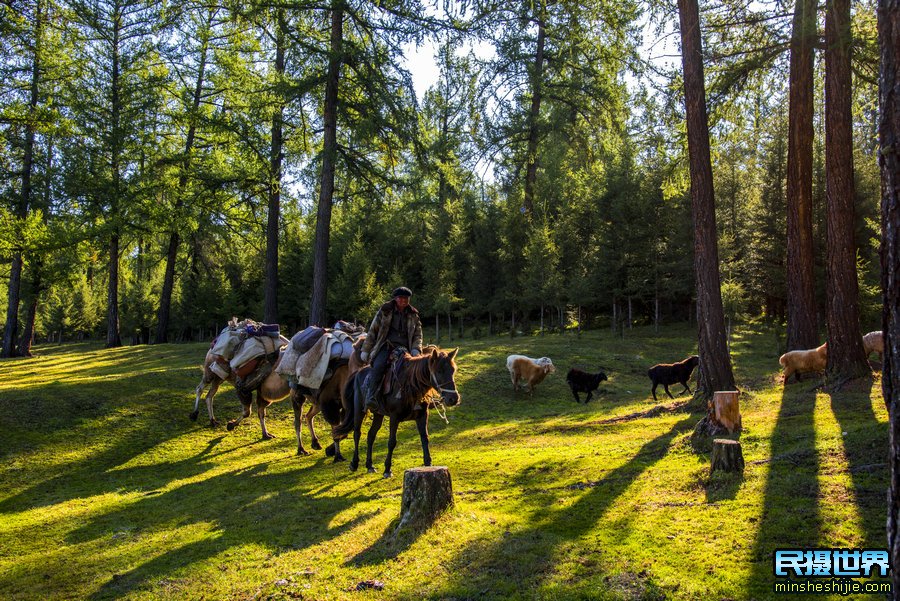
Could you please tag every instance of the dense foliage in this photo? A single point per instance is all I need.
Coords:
(541, 182)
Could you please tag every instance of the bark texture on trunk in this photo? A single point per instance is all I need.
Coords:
(317, 311)
(715, 362)
(112, 295)
(801, 300)
(846, 357)
(889, 133)
(427, 493)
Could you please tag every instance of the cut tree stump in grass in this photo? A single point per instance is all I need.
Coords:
(726, 456)
(726, 410)
(427, 492)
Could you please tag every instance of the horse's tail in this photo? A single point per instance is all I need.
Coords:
(348, 399)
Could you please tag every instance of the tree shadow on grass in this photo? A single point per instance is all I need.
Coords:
(867, 456)
(245, 507)
(100, 473)
(790, 512)
(523, 561)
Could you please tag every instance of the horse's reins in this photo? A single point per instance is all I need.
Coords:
(439, 403)
(433, 384)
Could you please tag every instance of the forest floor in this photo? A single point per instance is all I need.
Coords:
(108, 491)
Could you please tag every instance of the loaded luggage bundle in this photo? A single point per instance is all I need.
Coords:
(241, 345)
(315, 350)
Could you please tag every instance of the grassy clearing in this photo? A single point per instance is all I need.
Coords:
(107, 491)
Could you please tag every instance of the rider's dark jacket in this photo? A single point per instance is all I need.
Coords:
(379, 331)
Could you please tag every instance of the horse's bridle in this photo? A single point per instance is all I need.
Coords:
(440, 388)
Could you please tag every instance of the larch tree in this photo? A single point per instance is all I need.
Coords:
(715, 361)
(317, 311)
(24, 72)
(190, 60)
(846, 358)
(115, 103)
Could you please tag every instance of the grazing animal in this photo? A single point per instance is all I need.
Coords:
(873, 342)
(673, 373)
(798, 362)
(581, 381)
(416, 378)
(531, 371)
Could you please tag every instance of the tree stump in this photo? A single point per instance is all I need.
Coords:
(726, 456)
(726, 410)
(427, 492)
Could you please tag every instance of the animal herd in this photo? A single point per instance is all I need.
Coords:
(533, 371)
(796, 363)
(428, 381)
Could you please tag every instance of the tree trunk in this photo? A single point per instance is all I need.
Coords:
(726, 456)
(715, 362)
(801, 301)
(31, 315)
(889, 131)
(329, 154)
(427, 493)
(270, 310)
(533, 118)
(726, 411)
(112, 297)
(656, 313)
(846, 357)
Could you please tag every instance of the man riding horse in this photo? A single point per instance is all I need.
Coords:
(395, 325)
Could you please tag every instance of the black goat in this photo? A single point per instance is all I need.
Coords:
(674, 373)
(580, 381)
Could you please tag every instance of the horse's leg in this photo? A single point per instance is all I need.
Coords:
(666, 386)
(377, 420)
(337, 452)
(655, 384)
(199, 391)
(577, 398)
(589, 395)
(392, 442)
(313, 411)
(297, 403)
(422, 425)
(686, 388)
(261, 405)
(210, 396)
(246, 399)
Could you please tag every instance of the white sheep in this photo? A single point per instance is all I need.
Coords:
(873, 342)
(531, 371)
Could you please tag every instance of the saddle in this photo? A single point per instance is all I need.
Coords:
(390, 382)
(247, 380)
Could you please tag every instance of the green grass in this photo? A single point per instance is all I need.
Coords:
(108, 491)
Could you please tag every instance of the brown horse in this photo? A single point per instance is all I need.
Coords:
(416, 378)
(273, 389)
